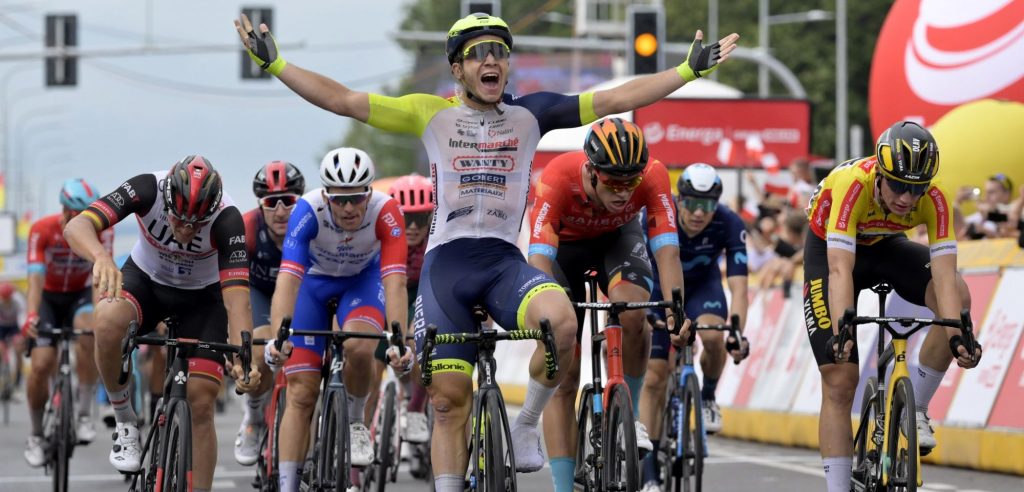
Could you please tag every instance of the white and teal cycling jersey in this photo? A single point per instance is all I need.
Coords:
(480, 161)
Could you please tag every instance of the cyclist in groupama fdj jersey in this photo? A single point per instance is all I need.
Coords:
(277, 186)
(705, 231)
(59, 296)
(585, 218)
(859, 216)
(345, 241)
(481, 145)
(189, 262)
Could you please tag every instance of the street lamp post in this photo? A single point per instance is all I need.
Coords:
(765, 21)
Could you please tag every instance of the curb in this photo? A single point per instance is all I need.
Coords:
(978, 449)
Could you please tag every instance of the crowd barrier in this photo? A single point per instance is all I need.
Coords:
(775, 395)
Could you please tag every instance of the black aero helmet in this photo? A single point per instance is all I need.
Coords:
(472, 26)
(617, 147)
(907, 152)
(278, 177)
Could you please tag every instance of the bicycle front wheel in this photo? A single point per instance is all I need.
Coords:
(498, 470)
(63, 438)
(177, 449)
(621, 470)
(583, 475)
(333, 461)
(865, 452)
(376, 475)
(902, 436)
(691, 430)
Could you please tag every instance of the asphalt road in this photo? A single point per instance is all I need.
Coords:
(733, 466)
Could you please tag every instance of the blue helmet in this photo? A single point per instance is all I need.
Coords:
(77, 195)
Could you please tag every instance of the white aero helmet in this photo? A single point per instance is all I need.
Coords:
(699, 181)
(346, 167)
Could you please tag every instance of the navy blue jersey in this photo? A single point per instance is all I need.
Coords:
(264, 255)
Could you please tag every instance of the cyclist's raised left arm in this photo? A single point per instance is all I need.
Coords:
(641, 91)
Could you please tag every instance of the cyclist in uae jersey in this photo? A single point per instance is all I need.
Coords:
(277, 186)
(59, 295)
(859, 216)
(705, 231)
(481, 146)
(345, 241)
(189, 262)
(586, 217)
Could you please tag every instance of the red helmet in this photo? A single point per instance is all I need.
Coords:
(278, 177)
(192, 189)
(414, 193)
(6, 291)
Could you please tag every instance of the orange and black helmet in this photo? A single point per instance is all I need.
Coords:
(908, 153)
(617, 147)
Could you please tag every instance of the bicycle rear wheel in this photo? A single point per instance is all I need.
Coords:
(865, 452)
(621, 470)
(376, 475)
(583, 475)
(670, 456)
(902, 437)
(61, 442)
(691, 431)
(176, 475)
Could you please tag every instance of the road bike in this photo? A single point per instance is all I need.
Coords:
(59, 433)
(606, 453)
(267, 473)
(886, 456)
(168, 443)
(492, 462)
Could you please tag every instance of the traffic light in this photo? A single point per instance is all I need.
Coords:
(646, 37)
(250, 70)
(489, 7)
(61, 32)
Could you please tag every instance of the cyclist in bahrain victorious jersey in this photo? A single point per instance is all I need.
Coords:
(345, 241)
(481, 143)
(59, 296)
(277, 186)
(586, 217)
(189, 262)
(705, 230)
(859, 215)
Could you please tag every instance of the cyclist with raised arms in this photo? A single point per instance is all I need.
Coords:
(586, 218)
(345, 241)
(189, 262)
(859, 215)
(481, 143)
(59, 296)
(705, 231)
(277, 186)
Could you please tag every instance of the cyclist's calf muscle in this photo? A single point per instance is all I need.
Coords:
(111, 320)
(202, 396)
(451, 394)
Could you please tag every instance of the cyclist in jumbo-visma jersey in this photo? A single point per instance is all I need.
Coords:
(481, 145)
(859, 216)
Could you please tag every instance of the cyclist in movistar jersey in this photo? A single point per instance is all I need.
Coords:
(859, 216)
(277, 186)
(59, 295)
(705, 231)
(481, 144)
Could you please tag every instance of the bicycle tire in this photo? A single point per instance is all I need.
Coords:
(902, 436)
(334, 462)
(275, 460)
(693, 436)
(176, 473)
(583, 474)
(376, 475)
(865, 473)
(499, 471)
(64, 434)
(670, 463)
(621, 468)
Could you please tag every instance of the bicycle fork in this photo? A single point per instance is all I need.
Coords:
(899, 370)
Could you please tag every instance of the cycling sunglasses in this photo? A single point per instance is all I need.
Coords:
(692, 205)
(421, 219)
(188, 223)
(618, 185)
(478, 51)
(341, 199)
(271, 202)
(899, 187)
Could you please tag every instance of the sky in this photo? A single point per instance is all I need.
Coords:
(136, 114)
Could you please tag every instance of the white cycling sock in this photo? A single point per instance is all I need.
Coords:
(926, 381)
(449, 483)
(288, 476)
(86, 398)
(255, 407)
(356, 408)
(537, 397)
(837, 473)
(121, 400)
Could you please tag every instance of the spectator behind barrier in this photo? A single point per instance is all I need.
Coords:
(991, 218)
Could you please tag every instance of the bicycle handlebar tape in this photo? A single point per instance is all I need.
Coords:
(428, 347)
(396, 338)
(550, 350)
(127, 346)
(282, 333)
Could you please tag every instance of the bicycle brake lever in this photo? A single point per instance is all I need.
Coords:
(282, 333)
(396, 338)
(127, 346)
(428, 347)
(550, 351)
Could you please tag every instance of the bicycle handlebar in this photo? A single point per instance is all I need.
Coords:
(132, 340)
(850, 320)
(543, 334)
(733, 328)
